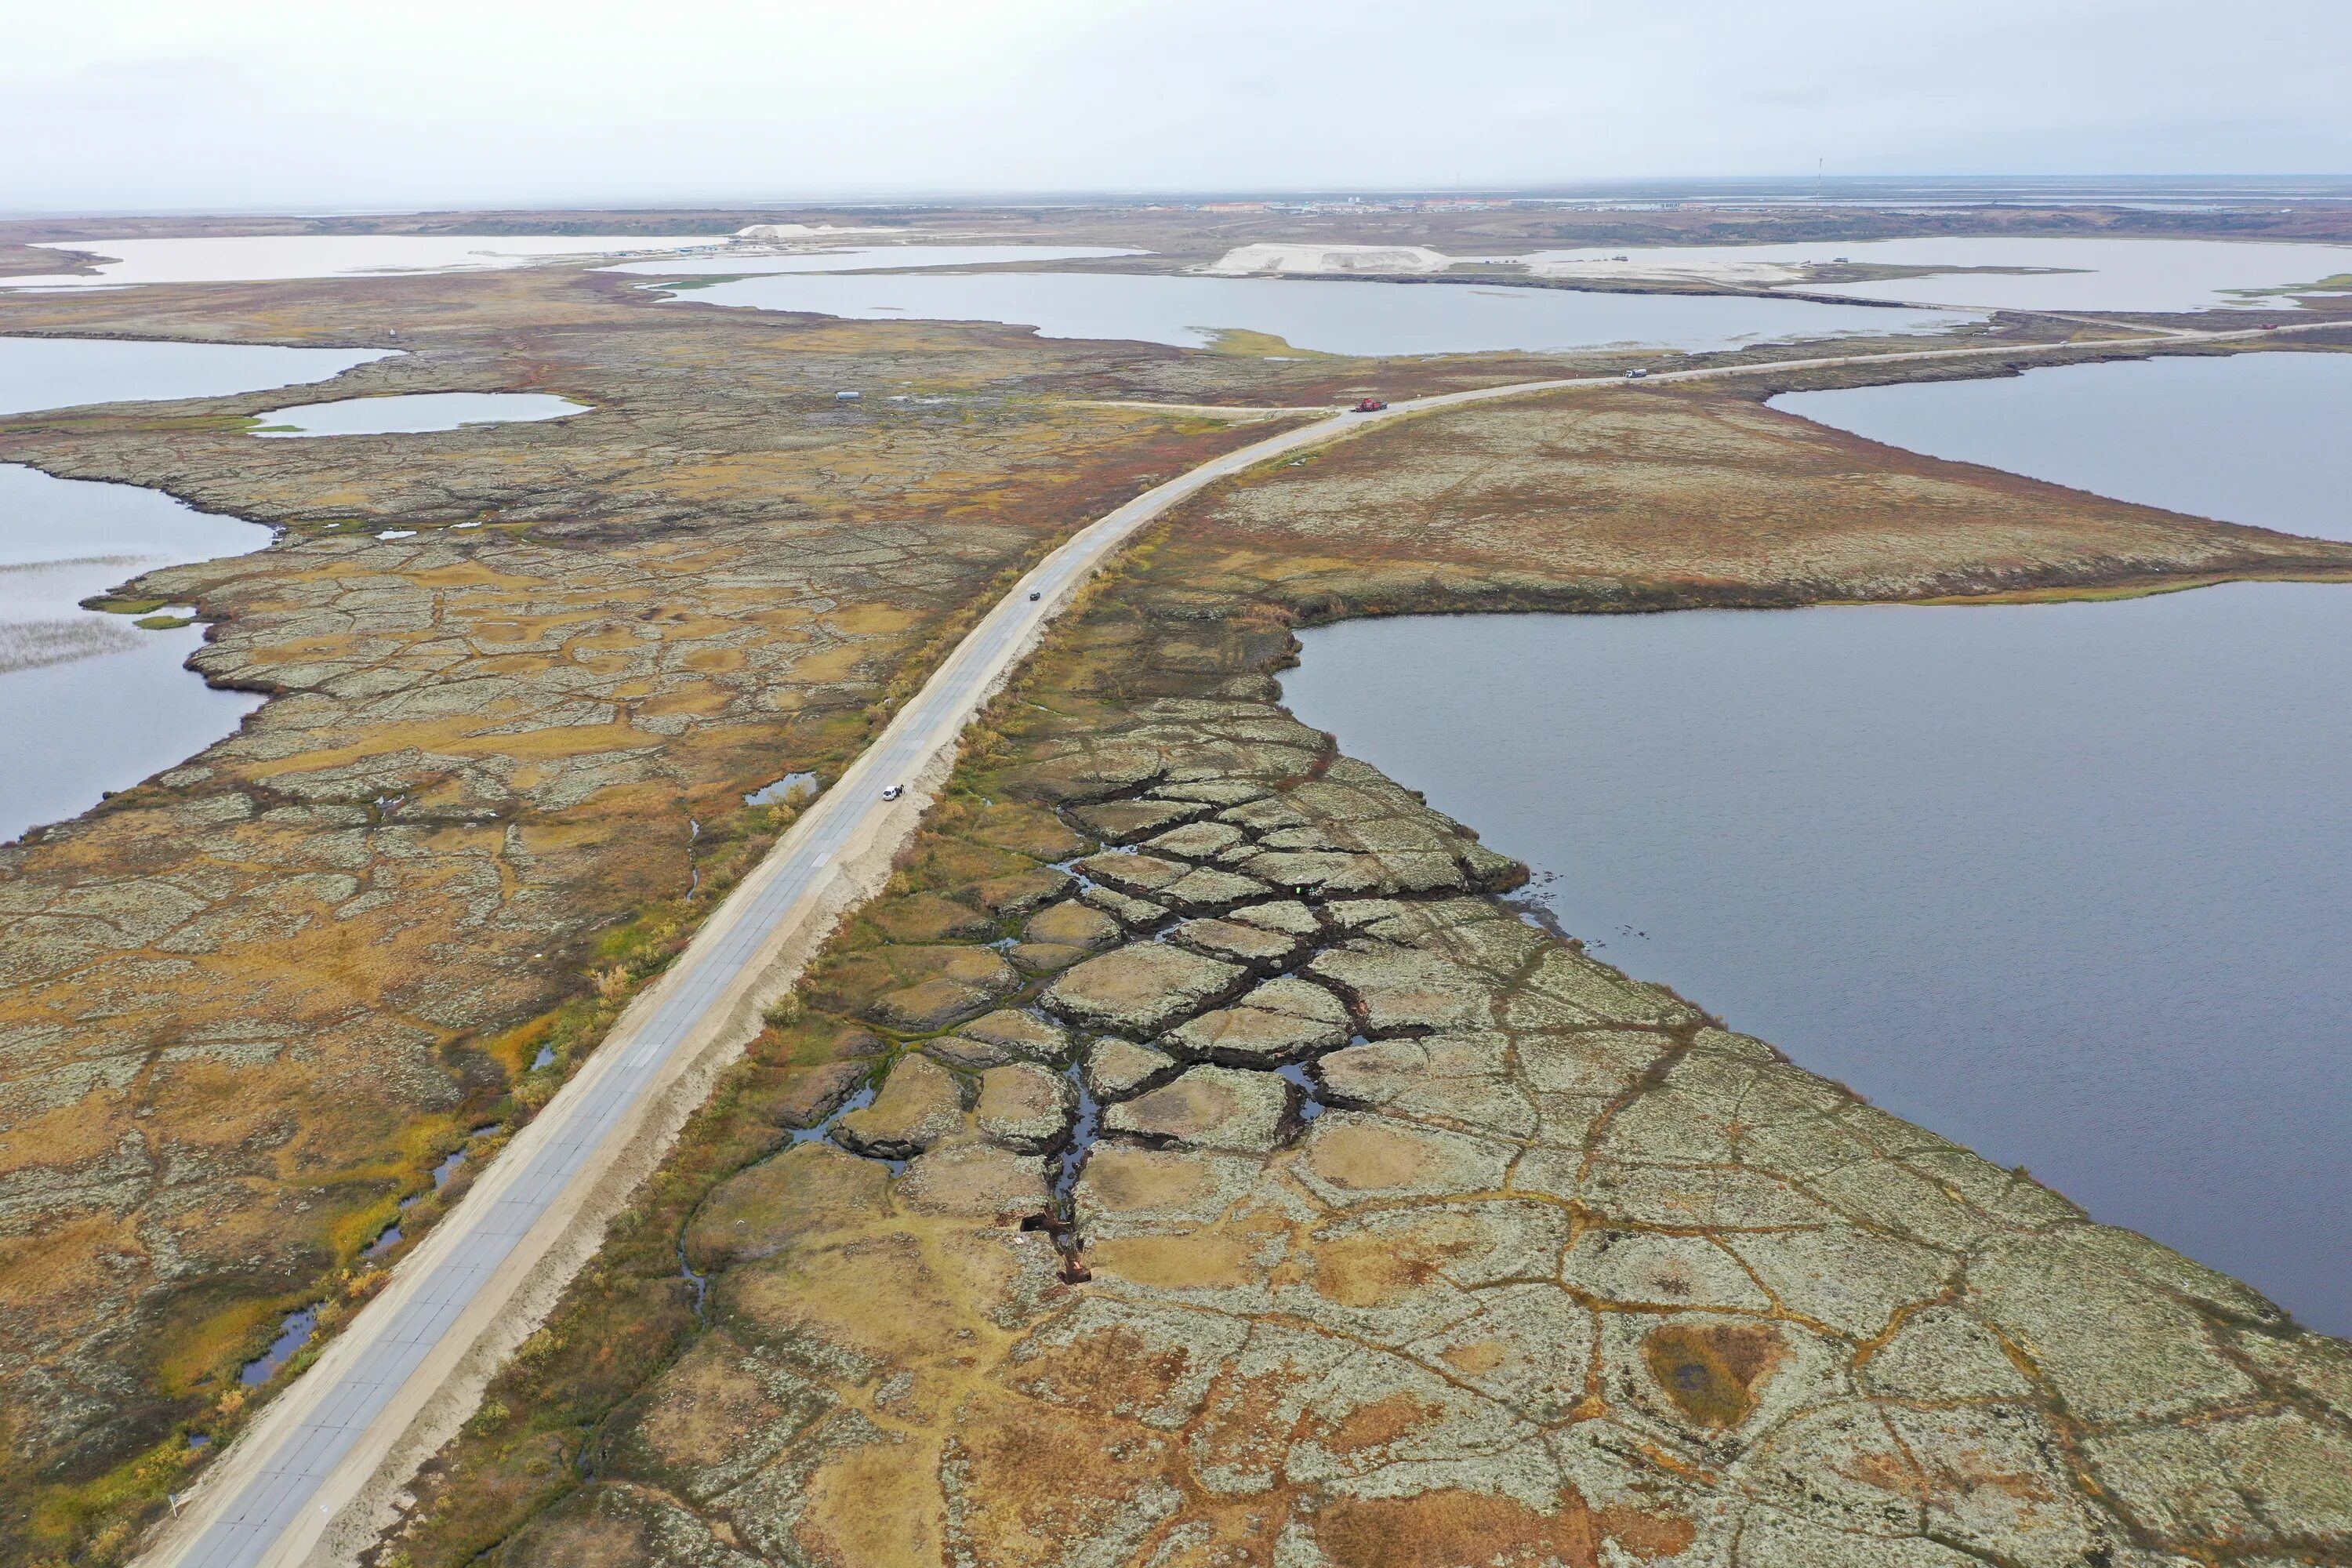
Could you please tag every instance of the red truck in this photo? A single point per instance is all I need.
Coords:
(1369, 405)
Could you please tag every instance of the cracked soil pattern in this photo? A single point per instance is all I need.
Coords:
(1532, 1264)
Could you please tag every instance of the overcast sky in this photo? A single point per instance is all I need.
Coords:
(121, 105)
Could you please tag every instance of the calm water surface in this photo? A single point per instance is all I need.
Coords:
(2066, 883)
(411, 412)
(89, 702)
(68, 373)
(2249, 439)
(869, 257)
(1330, 317)
(2088, 274)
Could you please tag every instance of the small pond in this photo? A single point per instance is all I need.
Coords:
(2065, 883)
(294, 1332)
(790, 790)
(413, 412)
(92, 702)
(1367, 318)
(2242, 437)
(70, 373)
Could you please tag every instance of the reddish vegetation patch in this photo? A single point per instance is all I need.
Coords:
(1112, 1370)
(1375, 1271)
(1380, 1423)
(1451, 1528)
(1041, 1480)
(1885, 1470)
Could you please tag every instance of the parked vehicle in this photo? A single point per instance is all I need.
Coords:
(1370, 405)
(1636, 373)
(892, 792)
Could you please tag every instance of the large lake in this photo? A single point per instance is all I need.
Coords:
(1330, 317)
(70, 373)
(89, 702)
(866, 258)
(2066, 883)
(2252, 439)
(244, 258)
(2160, 275)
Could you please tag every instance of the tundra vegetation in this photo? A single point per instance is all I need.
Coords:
(1557, 1265)
(1192, 1159)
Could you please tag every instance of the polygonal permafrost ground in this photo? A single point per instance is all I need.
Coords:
(1561, 1273)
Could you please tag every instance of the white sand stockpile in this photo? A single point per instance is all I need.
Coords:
(1277, 257)
(1302, 258)
(773, 233)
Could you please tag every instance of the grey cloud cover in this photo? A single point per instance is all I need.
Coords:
(118, 104)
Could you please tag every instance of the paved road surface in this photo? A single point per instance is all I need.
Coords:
(268, 1500)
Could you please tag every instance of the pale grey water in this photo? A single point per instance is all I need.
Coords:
(260, 258)
(867, 257)
(409, 412)
(68, 373)
(88, 702)
(2066, 883)
(2081, 274)
(1330, 317)
(784, 790)
(2254, 438)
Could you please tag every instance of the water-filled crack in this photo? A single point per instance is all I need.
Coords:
(293, 1334)
(1071, 1160)
(699, 1283)
(1311, 1105)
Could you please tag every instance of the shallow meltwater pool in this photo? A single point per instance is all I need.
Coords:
(1340, 318)
(2065, 883)
(2242, 437)
(410, 413)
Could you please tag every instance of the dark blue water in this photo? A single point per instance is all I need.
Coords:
(2071, 884)
(292, 1335)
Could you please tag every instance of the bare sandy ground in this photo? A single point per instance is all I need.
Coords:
(1281, 256)
(1277, 257)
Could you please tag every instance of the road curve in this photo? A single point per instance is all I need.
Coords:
(269, 1501)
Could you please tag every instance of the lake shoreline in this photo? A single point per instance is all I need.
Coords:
(133, 670)
(1641, 812)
